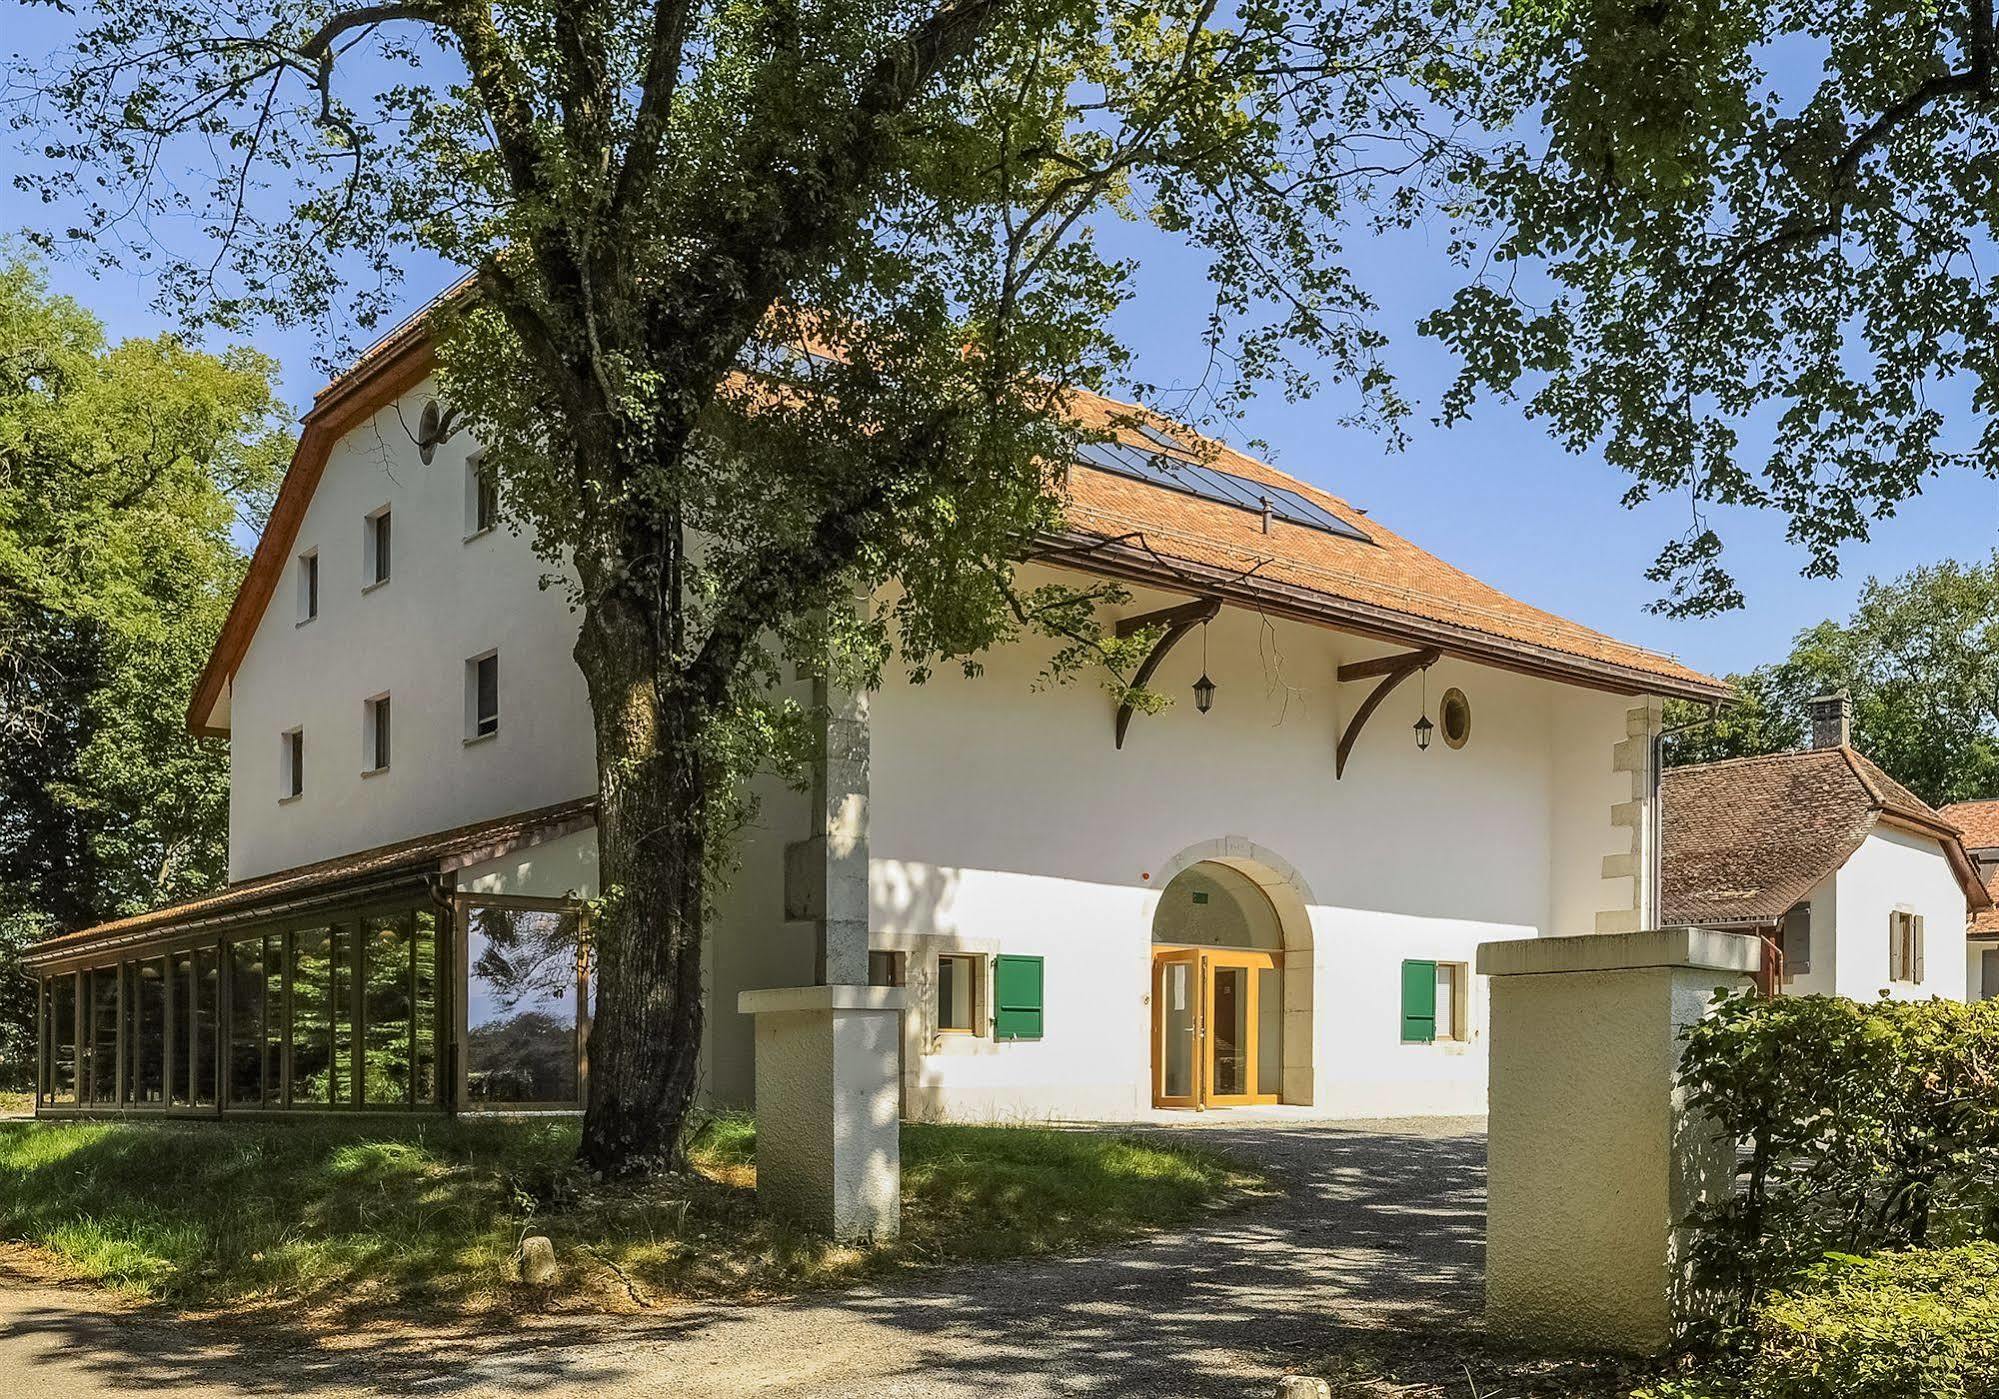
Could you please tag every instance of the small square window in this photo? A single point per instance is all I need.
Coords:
(291, 764)
(957, 994)
(308, 585)
(376, 551)
(375, 733)
(884, 969)
(482, 696)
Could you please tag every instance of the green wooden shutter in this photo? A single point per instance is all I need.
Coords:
(1017, 984)
(1419, 1002)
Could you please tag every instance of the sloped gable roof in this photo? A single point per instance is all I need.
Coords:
(1746, 839)
(1383, 586)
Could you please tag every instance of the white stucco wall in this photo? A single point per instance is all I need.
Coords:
(1003, 819)
(1895, 869)
(447, 599)
(1822, 979)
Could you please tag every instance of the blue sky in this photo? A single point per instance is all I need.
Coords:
(1495, 497)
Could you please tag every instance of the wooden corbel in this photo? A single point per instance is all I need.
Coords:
(1393, 670)
(1178, 621)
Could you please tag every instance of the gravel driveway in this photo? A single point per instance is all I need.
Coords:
(1378, 1223)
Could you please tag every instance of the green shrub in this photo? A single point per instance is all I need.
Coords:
(1918, 1325)
(1862, 1128)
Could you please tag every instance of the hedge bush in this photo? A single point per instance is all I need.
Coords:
(1916, 1325)
(1861, 1128)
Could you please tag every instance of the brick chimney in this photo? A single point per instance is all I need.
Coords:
(1832, 721)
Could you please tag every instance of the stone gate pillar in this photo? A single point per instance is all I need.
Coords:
(1593, 1160)
(829, 1144)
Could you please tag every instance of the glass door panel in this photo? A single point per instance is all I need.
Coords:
(1176, 1030)
(1228, 1032)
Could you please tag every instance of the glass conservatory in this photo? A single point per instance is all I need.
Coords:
(396, 1000)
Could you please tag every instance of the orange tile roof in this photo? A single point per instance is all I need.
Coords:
(1980, 820)
(1387, 587)
(1388, 574)
(248, 897)
(1745, 839)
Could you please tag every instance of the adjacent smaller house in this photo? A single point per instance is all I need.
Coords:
(1857, 885)
(1980, 823)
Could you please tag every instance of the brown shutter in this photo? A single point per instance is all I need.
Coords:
(1916, 943)
(1895, 946)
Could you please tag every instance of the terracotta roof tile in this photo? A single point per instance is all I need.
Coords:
(1745, 839)
(243, 898)
(1385, 571)
(1979, 820)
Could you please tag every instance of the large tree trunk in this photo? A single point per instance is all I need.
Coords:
(645, 1040)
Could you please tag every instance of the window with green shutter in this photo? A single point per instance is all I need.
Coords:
(1419, 1002)
(1017, 987)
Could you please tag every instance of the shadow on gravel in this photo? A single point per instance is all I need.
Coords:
(1375, 1230)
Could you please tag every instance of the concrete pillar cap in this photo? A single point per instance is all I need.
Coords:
(792, 999)
(1701, 949)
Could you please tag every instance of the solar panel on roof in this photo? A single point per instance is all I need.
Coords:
(1208, 483)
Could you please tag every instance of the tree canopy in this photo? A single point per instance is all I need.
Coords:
(1919, 658)
(125, 472)
(774, 306)
(1736, 222)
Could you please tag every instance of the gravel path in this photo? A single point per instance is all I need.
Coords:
(1379, 1223)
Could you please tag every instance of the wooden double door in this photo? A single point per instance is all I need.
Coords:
(1217, 1016)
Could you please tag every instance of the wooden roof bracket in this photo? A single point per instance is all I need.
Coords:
(1178, 621)
(1393, 670)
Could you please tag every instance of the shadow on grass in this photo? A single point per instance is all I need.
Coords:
(1375, 1231)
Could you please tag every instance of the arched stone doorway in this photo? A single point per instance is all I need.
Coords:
(1231, 980)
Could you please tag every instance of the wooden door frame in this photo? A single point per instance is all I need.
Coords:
(1205, 962)
(1161, 959)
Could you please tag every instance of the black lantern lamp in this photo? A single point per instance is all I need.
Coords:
(1423, 724)
(1204, 688)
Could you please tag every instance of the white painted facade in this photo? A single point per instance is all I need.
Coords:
(1002, 817)
(1893, 870)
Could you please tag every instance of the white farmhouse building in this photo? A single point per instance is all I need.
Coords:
(1857, 886)
(1276, 900)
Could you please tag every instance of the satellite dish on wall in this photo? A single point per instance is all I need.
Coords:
(433, 429)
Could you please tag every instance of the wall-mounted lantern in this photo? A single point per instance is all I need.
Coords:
(1423, 725)
(1204, 693)
(1204, 688)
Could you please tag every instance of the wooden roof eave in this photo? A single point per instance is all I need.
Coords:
(1090, 553)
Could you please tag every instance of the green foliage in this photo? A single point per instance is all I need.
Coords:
(1920, 659)
(777, 306)
(1861, 1127)
(124, 473)
(396, 1213)
(1916, 1325)
(1734, 218)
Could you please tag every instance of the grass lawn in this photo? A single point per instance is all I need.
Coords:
(351, 1215)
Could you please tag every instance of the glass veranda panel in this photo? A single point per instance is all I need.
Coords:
(247, 981)
(312, 1072)
(60, 1005)
(205, 1020)
(180, 1044)
(426, 953)
(147, 1034)
(103, 1006)
(523, 996)
(386, 949)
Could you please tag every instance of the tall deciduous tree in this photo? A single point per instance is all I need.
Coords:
(1920, 659)
(124, 472)
(776, 304)
(1742, 221)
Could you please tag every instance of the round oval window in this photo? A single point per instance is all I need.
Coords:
(1454, 717)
